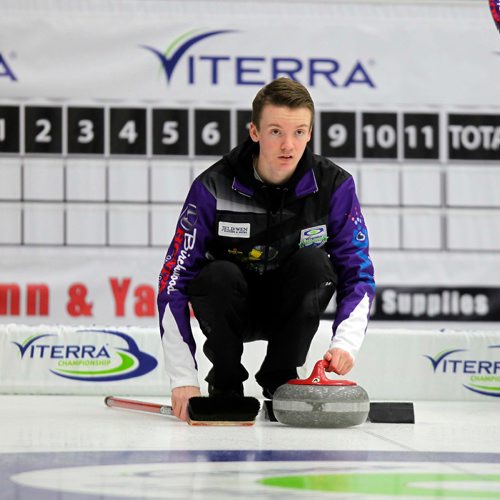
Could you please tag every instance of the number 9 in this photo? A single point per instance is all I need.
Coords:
(337, 134)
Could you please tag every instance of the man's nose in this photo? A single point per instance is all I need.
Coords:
(286, 143)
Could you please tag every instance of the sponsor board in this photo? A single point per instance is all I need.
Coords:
(437, 303)
(63, 359)
(433, 303)
(478, 372)
(93, 355)
(164, 55)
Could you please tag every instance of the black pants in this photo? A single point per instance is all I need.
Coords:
(282, 306)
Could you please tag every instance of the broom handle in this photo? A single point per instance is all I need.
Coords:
(130, 404)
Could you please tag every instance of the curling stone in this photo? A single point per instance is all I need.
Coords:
(319, 401)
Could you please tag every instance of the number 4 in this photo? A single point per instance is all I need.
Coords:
(128, 132)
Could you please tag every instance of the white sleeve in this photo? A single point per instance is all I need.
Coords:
(350, 333)
(179, 363)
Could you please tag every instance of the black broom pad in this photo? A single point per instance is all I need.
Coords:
(223, 409)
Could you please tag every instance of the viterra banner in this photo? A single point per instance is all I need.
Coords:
(439, 365)
(361, 54)
(70, 360)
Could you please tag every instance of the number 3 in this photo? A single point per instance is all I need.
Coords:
(86, 131)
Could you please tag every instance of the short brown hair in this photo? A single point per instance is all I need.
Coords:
(282, 92)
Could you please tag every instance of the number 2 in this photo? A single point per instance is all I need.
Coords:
(44, 134)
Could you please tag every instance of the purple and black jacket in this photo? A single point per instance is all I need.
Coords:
(229, 214)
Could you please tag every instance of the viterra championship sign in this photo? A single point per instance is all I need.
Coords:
(94, 355)
(444, 365)
(62, 359)
(477, 372)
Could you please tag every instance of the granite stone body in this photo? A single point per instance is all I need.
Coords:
(321, 405)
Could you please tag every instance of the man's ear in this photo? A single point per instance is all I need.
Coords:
(254, 132)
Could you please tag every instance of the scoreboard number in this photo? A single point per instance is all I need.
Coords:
(128, 131)
(85, 131)
(44, 126)
(243, 120)
(383, 137)
(9, 129)
(338, 134)
(421, 136)
(380, 137)
(411, 131)
(43, 130)
(170, 132)
(212, 132)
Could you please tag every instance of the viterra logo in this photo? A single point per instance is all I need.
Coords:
(215, 69)
(483, 374)
(117, 357)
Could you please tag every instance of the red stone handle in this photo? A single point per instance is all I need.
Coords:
(318, 377)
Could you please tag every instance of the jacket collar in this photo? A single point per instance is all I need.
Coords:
(307, 184)
(302, 183)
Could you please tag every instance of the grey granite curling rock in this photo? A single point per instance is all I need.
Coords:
(321, 402)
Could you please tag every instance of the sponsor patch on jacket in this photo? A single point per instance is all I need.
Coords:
(234, 229)
(313, 236)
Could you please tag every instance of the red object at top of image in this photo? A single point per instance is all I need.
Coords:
(318, 377)
(495, 11)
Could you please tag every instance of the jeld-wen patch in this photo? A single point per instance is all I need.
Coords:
(234, 229)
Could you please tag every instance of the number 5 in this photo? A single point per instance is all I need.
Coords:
(170, 133)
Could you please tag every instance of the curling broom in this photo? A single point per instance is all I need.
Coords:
(213, 411)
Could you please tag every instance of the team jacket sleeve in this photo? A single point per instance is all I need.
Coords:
(349, 250)
(185, 257)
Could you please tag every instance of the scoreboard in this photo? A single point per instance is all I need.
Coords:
(156, 132)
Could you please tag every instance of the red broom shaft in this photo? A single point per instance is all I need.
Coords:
(130, 404)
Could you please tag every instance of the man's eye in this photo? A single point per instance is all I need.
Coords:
(275, 131)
